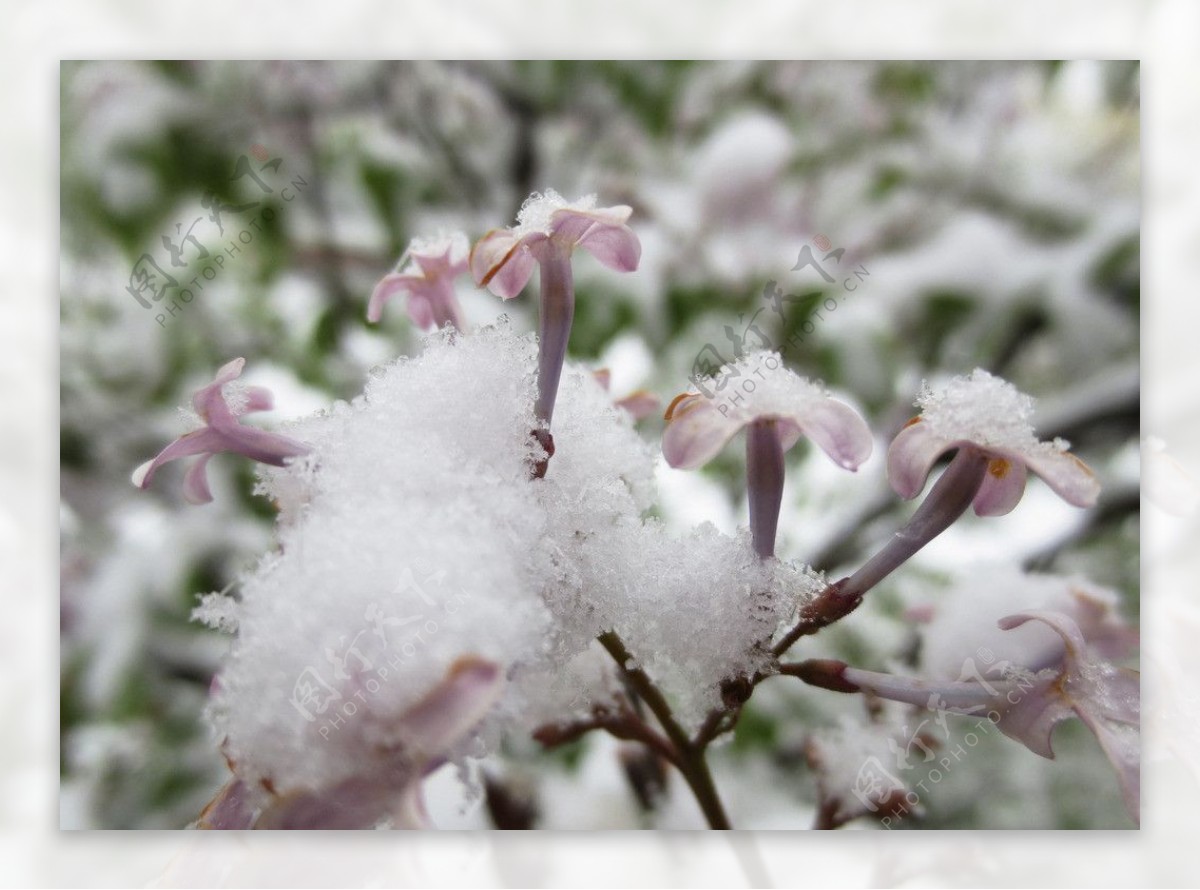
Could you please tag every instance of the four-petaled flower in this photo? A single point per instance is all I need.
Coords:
(990, 416)
(548, 229)
(220, 405)
(776, 411)
(1067, 675)
(428, 278)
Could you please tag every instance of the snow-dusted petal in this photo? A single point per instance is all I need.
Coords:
(992, 415)
(696, 431)
(452, 709)
(209, 396)
(911, 457)
(1002, 487)
(1071, 479)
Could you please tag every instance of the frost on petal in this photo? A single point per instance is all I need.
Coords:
(1071, 479)
(979, 408)
(911, 457)
(501, 261)
(992, 414)
(801, 408)
(696, 431)
(1002, 487)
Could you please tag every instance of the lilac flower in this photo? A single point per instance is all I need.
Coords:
(548, 230)
(988, 415)
(428, 278)
(986, 422)
(776, 411)
(1063, 680)
(219, 406)
(387, 785)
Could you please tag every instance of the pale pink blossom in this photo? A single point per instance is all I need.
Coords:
(220, 406)
(548, 230)
(781, 408)
(428, 279)
(988, 415)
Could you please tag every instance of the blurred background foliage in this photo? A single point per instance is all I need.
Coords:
(993, 206)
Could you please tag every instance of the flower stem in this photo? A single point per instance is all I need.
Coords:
(947, 500)
(690, 758)
(555, 313)
(764, 483)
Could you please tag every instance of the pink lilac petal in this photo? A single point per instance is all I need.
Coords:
(357, 803)
(616, 247)
(1069, 477)
(911, 457)
(388, 787)
(195, 481)
(258, 398)
(695, 432)
(1002, 487)
(388, 287)
(420, 309)
(502, 262)
(1105, 697)
(452, 709)
(201, 441)
(639, 403)
(209, 395)
(838, 430)
(573, 226)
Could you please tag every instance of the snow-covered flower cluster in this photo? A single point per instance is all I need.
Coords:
(459, 561)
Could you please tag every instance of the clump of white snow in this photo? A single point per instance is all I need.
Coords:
(984, 409)
(413, 536)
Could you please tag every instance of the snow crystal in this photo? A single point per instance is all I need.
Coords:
(759, 383)
(983, 409)
(535, 212)
(218, 611)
